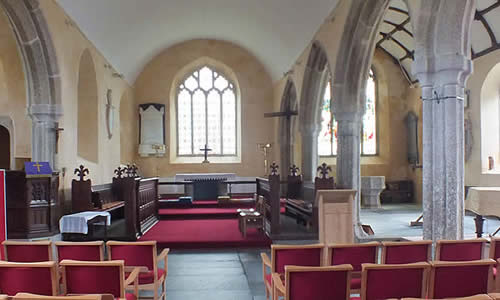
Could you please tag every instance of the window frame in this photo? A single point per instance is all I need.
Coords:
(377, 146)
(231, 86)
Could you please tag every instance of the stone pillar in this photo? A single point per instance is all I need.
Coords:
(44, 124)
(443, 160)
(349, 159)
(309, 152)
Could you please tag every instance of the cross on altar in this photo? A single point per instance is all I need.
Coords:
(37, 165)
(206, 149)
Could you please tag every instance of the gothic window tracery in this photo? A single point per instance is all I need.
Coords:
(206, 114)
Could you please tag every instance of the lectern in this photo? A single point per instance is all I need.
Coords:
(335, 216)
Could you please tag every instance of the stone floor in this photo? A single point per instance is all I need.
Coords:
(237, 274)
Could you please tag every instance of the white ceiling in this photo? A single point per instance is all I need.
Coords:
(396, 37)
(130, 33)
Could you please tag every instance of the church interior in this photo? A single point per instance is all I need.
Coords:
(285, 149)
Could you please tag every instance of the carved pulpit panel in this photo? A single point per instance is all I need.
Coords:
(152, 130)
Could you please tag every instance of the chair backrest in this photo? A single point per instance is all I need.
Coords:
(394, 281)
(93, 277)
(353, 254)
(134, 254)
(406, 252)
(305, 283)
(38, 278)
(296, 255)
(460, 250)
(494, 248)
(27, 296)
(86, 251)
(38, 251)
(459, 278)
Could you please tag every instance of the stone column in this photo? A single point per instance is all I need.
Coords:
(349, 159)
(43, 141)
(443, 159)
(309, 152)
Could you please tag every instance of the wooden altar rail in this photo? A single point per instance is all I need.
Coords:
(189, 185)
(269, 189)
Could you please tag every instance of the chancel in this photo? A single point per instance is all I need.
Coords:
(313, 140)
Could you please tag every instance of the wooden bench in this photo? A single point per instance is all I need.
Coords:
(269, 190)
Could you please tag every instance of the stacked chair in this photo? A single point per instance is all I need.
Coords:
(404, 270)
(30, 272)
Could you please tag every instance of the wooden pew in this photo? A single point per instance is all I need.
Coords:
(269, 190)
(130, 198)
(306, 210)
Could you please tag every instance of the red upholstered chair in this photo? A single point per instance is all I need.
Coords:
(355, 255)
(306, 283)
(85, 251)
(459, 278)
(406, 252)
(38, 278)
(282, 255)
(98, 277)
(394, 281)
(495, 255)
(38, 251)
(460, 250)
(144, 255)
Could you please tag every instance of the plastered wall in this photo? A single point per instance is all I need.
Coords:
(13, 100)
(476, 173)
(155, 84)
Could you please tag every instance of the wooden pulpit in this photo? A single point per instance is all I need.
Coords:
(335, 213)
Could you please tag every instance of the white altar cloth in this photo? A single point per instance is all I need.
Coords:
(483, 201)
(77, 223)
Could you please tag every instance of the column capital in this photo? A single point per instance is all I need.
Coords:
(45, 112)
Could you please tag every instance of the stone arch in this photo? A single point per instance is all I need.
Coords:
(41, 71)
(311, 100)
(88, 99)
(287, 127)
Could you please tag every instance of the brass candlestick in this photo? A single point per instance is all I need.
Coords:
(264, 147)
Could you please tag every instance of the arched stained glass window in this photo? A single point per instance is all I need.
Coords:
(206, 114)
(327, 140)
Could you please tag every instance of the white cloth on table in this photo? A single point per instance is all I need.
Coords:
(483, 201)
(77, 223)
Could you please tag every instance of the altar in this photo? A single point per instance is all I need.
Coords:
(483, 201)
(207, 186)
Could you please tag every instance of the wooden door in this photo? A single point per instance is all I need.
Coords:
(4, 148)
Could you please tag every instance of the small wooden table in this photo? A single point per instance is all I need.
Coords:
(249, 219)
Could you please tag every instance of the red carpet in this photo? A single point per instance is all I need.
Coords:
(203, 233)
(198, 212)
